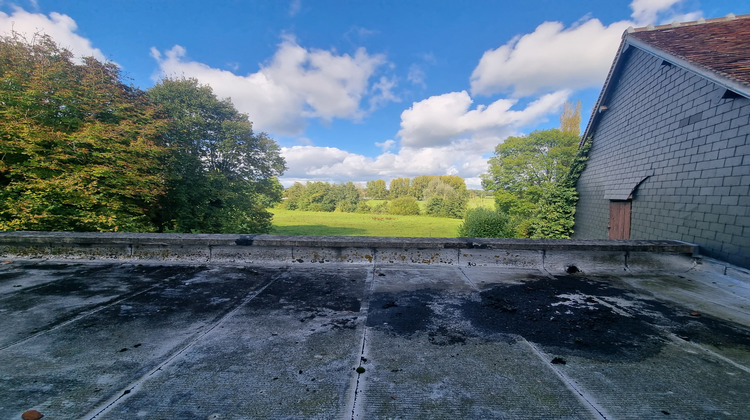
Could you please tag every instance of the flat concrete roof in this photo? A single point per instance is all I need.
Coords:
(112, 329)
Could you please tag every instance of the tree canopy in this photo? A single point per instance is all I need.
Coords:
(81, 150)
(526, 175)
(220, 175)
(78, 147)
(526, 165)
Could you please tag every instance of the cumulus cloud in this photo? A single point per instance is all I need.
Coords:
(336, 165)
(552, 57)
(426, 150)
(296, 84)
(439, 120)
(62, 28)
(649, 11)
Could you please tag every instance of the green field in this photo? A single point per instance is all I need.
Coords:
(288, 222)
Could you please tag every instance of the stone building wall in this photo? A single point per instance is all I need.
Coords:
(671, 139)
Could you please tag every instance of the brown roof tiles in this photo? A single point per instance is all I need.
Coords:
(720, 45)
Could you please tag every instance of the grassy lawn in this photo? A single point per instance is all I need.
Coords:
(287, 222)
(487, 202)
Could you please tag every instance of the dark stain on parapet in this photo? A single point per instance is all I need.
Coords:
(245, 240)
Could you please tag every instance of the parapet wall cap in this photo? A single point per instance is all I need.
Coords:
(675, 23)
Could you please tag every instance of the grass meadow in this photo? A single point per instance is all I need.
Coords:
(293, 222)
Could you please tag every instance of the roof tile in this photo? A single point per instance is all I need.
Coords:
(720, 45)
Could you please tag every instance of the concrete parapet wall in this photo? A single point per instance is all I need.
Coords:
(555, 256)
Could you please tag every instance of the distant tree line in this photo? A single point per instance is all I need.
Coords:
(81, 150)
(444, 196)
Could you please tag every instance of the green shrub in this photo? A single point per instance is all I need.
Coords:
(346, 206)
(380, 208)
(363, 207)
(404, 206)
(484, 223)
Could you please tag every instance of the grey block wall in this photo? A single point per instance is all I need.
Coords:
(671, 129)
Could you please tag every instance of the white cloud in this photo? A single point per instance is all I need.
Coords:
(382, 93)
(62, 28)
(550, 58)
(424, 151)
(335, 165)
(296, 84)
(416, 75)
(386, 145)
(646, 11)
(439, 120)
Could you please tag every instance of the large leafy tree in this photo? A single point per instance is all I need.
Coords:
(399, 187)
(527, 170)
(376, 190)
(77, 148)
(220, 175)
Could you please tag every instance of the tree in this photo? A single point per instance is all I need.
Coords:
(220, 175)
(419, 184)
(347, 197)
(77, 145)
(293, 195)
(525, 165)
(524, 170)
(443, 200)
(570, 119)
(399, 187)
(376, 190)
(454, 181)
(318, 196)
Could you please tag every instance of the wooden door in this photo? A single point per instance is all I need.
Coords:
(619, 219)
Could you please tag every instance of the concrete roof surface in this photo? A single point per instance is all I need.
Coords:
(178, 340)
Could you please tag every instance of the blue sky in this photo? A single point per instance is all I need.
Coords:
(362, 90)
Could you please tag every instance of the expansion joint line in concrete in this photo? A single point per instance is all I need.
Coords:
(112, 402)
(80, 316)
(587, 400)
(467, 279)
(365, 308)
(680, 341)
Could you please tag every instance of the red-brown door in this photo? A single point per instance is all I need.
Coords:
(619, 219)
